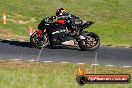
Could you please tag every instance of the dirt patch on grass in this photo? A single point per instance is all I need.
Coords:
(6, 32)
(14, 37)
(22, 22)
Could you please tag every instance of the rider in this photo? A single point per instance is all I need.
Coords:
(62, 14)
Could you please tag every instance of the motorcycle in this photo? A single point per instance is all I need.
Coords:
(51, 33)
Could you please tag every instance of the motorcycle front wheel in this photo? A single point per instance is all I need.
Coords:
(90, 43)
(39, 41)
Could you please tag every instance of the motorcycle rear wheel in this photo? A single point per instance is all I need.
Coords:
(90, 43)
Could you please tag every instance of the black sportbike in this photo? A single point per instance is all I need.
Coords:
(51, 33)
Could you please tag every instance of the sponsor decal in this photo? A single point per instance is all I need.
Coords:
(56, 32)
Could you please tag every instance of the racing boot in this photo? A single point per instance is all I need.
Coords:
(73, 32)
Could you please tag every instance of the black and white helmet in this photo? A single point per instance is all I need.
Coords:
(60, 11)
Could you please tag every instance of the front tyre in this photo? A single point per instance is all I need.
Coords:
(90, 43)
(39, 41)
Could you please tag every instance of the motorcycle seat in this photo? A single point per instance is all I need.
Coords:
(80, 25)
(84, 24)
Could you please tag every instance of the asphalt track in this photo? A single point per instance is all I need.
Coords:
(105, 55)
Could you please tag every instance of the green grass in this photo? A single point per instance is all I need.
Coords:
(22, 74)
(113, 17)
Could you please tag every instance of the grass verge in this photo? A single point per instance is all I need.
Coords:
(23, 74)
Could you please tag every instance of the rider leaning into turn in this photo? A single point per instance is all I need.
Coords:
(62, 14)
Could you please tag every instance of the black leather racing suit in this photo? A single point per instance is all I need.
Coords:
(68, 21)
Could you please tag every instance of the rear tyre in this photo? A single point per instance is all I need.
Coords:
(90, 43)
(39, 41)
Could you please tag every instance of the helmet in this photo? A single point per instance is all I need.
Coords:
(58, 11)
